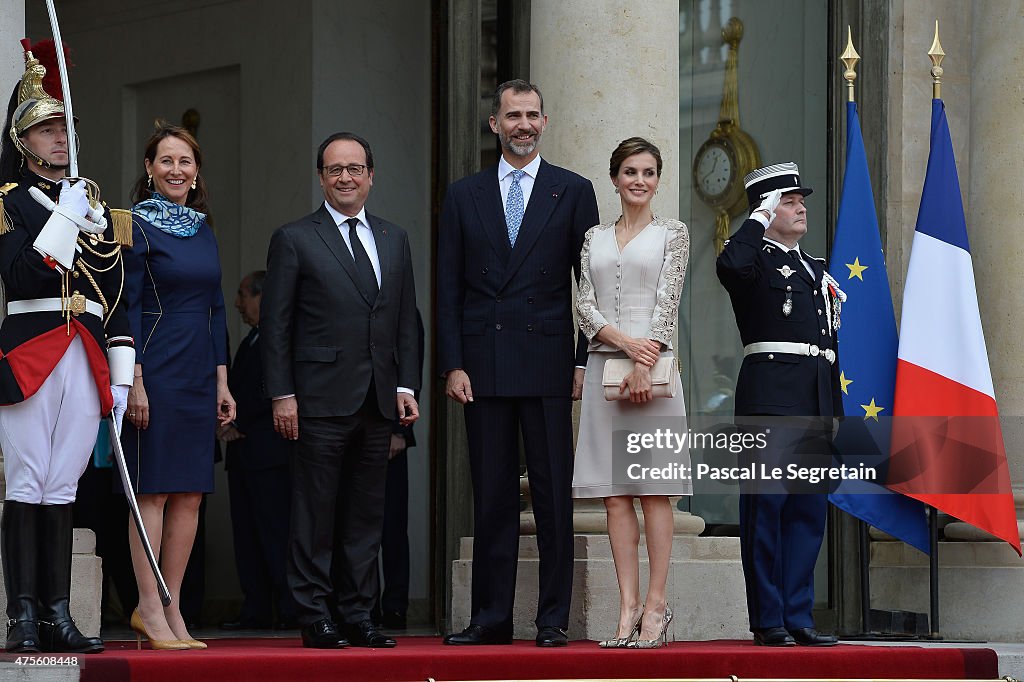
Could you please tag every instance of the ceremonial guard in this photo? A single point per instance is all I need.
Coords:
(787, 310)
(66, 356)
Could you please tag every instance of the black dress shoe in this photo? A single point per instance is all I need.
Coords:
(772, 637)
(366, 634)
(551, 636)
(811, 637)
(323, 634)
(477, 634)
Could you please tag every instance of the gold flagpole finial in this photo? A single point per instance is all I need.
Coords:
(935, 53)
(849, 59)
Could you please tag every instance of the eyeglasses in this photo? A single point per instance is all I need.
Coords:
(355, 170)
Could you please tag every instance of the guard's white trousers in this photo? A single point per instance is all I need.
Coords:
(47, 440)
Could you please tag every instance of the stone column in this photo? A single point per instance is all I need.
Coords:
(608, 71)
(996, 212)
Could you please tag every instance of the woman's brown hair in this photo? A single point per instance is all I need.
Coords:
(629, 147)
(197, 198)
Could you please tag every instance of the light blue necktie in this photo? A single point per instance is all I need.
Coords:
(515, 206)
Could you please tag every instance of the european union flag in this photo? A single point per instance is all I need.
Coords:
(867, 345)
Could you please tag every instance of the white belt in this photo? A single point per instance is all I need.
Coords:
(791, 348)
(48, 305)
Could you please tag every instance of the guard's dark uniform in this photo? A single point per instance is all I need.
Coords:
(776, 300)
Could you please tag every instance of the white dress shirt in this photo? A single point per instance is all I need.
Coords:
(526, 182)
(364, 233)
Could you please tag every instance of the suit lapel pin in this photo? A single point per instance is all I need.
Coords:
(554, 195)
(785, 271)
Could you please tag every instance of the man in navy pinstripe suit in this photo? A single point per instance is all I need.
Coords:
(510, 239)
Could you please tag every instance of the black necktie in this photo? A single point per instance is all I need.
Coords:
(364, 268)
(801, 270)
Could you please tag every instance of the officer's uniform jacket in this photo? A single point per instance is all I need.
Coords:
(31, 344)
(760, 277)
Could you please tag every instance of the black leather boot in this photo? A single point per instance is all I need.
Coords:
(57, 629)
(19, 536)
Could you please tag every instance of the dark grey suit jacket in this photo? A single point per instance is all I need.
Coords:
(321, 338)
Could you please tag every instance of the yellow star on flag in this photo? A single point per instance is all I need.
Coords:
(871, 410)
(845, 382)
(856, 269)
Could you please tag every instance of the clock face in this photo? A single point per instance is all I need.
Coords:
(714, 170)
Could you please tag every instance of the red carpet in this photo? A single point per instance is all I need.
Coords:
(419, 658)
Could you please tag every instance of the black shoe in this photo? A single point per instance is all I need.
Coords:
(811, 637)
(549, 635)
(65, 637)
(19, 553)
(477, 634)
(323, 634)
(245, 624)
(57, 630)
(22, 637)
(393, 620)
(366, 634)
(772, 637)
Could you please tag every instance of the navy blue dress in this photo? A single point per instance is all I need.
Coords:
(176, 312)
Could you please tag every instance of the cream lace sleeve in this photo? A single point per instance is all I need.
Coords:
(591, 320)
(670, 282)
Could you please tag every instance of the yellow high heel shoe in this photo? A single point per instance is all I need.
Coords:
(193, 643)
(165, 644)
(623, 642)
(662, 637)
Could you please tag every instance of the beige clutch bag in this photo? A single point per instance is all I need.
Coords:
(662, 378)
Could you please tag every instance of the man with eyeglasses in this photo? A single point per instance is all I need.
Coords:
(340, 359)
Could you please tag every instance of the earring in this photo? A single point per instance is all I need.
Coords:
(616, 190)
(149, 181)
(194, 181)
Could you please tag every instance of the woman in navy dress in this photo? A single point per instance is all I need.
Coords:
(180, 392)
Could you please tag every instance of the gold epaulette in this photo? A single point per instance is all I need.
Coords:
(5, 221)
(122, 219)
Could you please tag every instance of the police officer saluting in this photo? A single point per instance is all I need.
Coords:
(787, 310)
(67, 360)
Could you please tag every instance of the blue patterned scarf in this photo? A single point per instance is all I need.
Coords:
(174, 219)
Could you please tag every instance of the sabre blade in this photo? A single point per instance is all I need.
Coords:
(65, 86)
(133, 504)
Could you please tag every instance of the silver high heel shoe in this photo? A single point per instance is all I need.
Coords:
(661, 639)
(623, 642)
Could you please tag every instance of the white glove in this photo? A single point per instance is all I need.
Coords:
(770, 203)
(120, 395)
(73, 201)
(74, 206)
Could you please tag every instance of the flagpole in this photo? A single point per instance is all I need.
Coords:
(849, 58)
(935, 54)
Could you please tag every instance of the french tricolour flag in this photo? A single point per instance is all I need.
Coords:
(947, 443)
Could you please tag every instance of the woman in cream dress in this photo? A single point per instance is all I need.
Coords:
(632, 274)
